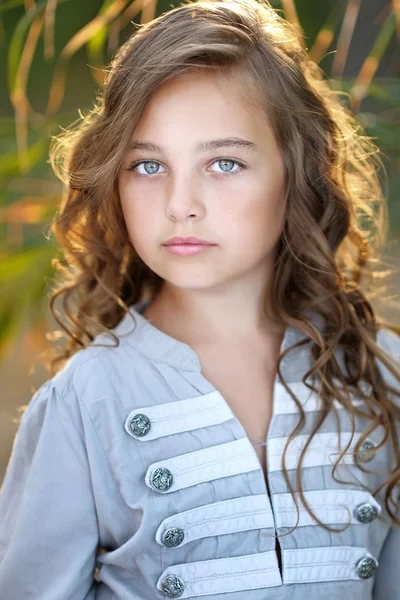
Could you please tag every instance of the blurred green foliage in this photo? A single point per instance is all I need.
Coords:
(51, 63)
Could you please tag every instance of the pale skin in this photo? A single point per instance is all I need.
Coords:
(212, 301)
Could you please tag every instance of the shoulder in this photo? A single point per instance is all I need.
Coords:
(92, 372)
(389, 342)
(78, 391)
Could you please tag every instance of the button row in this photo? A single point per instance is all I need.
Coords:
(174, 586)
(140, 426)
(162, 479)
(174, 536)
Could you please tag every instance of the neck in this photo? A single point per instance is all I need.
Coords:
(195, 319)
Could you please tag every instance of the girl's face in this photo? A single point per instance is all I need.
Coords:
(230, 195)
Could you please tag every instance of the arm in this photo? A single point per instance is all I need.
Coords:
(387, 579)
(48, 522)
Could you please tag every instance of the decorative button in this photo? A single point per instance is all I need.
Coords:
(366, 513)
(365, 387)
(173, 586)
(366, 567)
(161, 479)
(173, 537)
(140, 424)
(364, 451)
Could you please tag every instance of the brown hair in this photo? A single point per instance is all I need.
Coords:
(336, 218)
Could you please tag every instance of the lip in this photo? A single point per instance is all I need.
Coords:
(187, 241)
(187, 249)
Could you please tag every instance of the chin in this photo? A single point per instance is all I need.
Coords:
(189, 278)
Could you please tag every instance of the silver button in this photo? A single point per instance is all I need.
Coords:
(366, 567)
(139, 424)
(366, 512)
(364, 451)
(173, 586)
(173, 537)
(365, 387)
(161, 479)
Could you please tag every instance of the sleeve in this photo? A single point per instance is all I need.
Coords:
(387, 579)
(48, 522)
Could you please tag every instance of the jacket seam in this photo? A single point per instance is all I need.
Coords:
(86, 454)
(76, 368)
(114, 384)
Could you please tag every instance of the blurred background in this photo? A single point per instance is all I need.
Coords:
(52, 56)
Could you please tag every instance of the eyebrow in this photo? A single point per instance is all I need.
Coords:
(231, 142)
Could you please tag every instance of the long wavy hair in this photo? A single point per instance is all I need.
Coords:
(336, 221)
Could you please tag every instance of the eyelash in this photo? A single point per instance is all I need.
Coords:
(242, 167)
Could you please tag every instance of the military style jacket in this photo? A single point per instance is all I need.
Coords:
(132, 479)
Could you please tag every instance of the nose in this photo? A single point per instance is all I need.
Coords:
(183, 198)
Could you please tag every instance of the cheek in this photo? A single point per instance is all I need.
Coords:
(271, 207)
(129, 218)
(124, 198)
(259, 217)
(136, 213)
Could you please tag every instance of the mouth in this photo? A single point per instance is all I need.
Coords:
(188, 244)
(188, 249)
(188, 241)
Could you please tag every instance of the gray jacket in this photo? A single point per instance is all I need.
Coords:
(131, 478)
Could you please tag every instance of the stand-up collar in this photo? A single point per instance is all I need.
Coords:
(161, 347)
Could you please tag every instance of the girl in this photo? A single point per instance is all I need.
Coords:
(241, 436)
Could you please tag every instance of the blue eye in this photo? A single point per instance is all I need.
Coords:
(145, 163)
(153, 170)
(229, 161)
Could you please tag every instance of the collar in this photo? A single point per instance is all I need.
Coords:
(160, 347)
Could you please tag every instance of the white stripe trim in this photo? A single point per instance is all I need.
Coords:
(209, 409)
(224, 575)
(329, 506)
(261, 570)
(310, 401)
(219, 518)
(213, 462)
(323, 450)
(183, 415)
(307, 565)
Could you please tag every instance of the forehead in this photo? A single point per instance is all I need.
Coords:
(208, 88)
(204, 105)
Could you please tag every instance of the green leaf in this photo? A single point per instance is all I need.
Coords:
(9, 163)
(16, 45)
(10, 4)
(96, 43)
(22, 265)
(17, 42)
